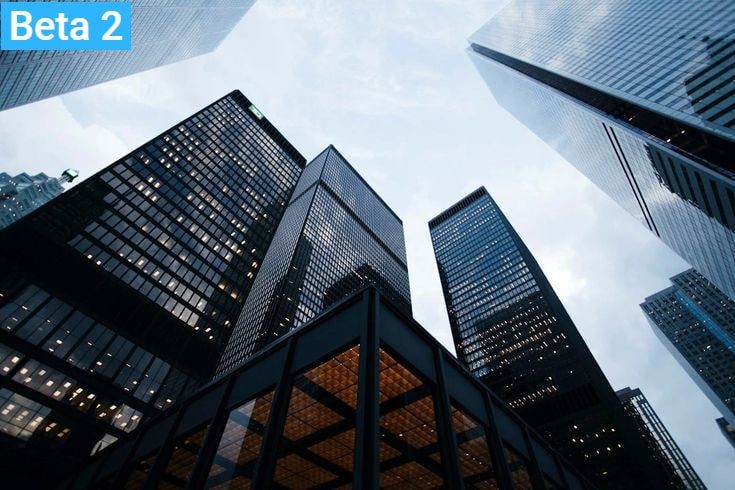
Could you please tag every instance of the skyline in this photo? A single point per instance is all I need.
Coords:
(393, 133)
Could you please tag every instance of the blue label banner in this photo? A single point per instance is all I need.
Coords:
(55, 26)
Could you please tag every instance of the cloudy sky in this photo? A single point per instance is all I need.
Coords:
(389, 84)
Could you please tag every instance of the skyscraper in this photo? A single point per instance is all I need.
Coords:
(696, 323)
(118, 297)
(640, 99)
(660, 443)
(23, 193)
(336, 236)
(157, 40)
(513, 333)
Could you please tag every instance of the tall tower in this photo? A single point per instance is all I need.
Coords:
(513, 332)
(696, 323)
(660, 443)
(640, 99)
(24, 193)
(336, 237)
(118, 297)
(28, 76)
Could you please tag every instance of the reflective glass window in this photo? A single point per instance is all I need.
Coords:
(317, 446)
(518, 469)
(474, 456)
(178, 470)
(409, 445)
(240, 444)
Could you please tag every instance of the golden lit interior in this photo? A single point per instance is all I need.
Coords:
(474, 456)
(409, 447)
(518, 469)
(140, 471)
(318, 441)
(240, 444)
(316, 448)
(178, 469)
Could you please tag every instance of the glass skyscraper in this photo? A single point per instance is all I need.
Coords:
(23, 193)
(511, 331)
(163, 32)
(660, 443)
(696, 323)
(336, 237)
(640, 98)
(118, 297)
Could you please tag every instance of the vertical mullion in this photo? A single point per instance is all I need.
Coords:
(560, 468)
(116, 482)
(211, 440)
(127, 466)
(164, 455)
(367, 440)
(537, 477)
(502, 471)
(447, 438)
(266, 464)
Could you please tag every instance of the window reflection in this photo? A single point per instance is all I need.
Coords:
(178, 469)
(518, 469)
(317, 446)
(409, 447)
(473, 453)
(23, 418)
(139, 473)
(239, 447)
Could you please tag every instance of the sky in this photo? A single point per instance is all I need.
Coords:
(390, 85)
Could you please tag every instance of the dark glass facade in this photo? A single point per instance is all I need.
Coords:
(118, 297)
(660, 443)
(512, 332)
(696, 323)
(157, 40)
(640, 99)
(360, 397)
(336, 236)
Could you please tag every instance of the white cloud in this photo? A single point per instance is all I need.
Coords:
(45, 137)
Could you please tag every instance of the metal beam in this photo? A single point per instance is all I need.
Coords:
(445, 429)
(266, 464)
(495, 444)
(367, 439)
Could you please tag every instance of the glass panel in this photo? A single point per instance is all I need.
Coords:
(317, 446)
(551, 484)
(8, 359)
(55, 384)
(140, 472)
(518, 469)
(474, 456)
(179, 467)
(104, 442)
(23, 418)
(240, 444)
(409, 446)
